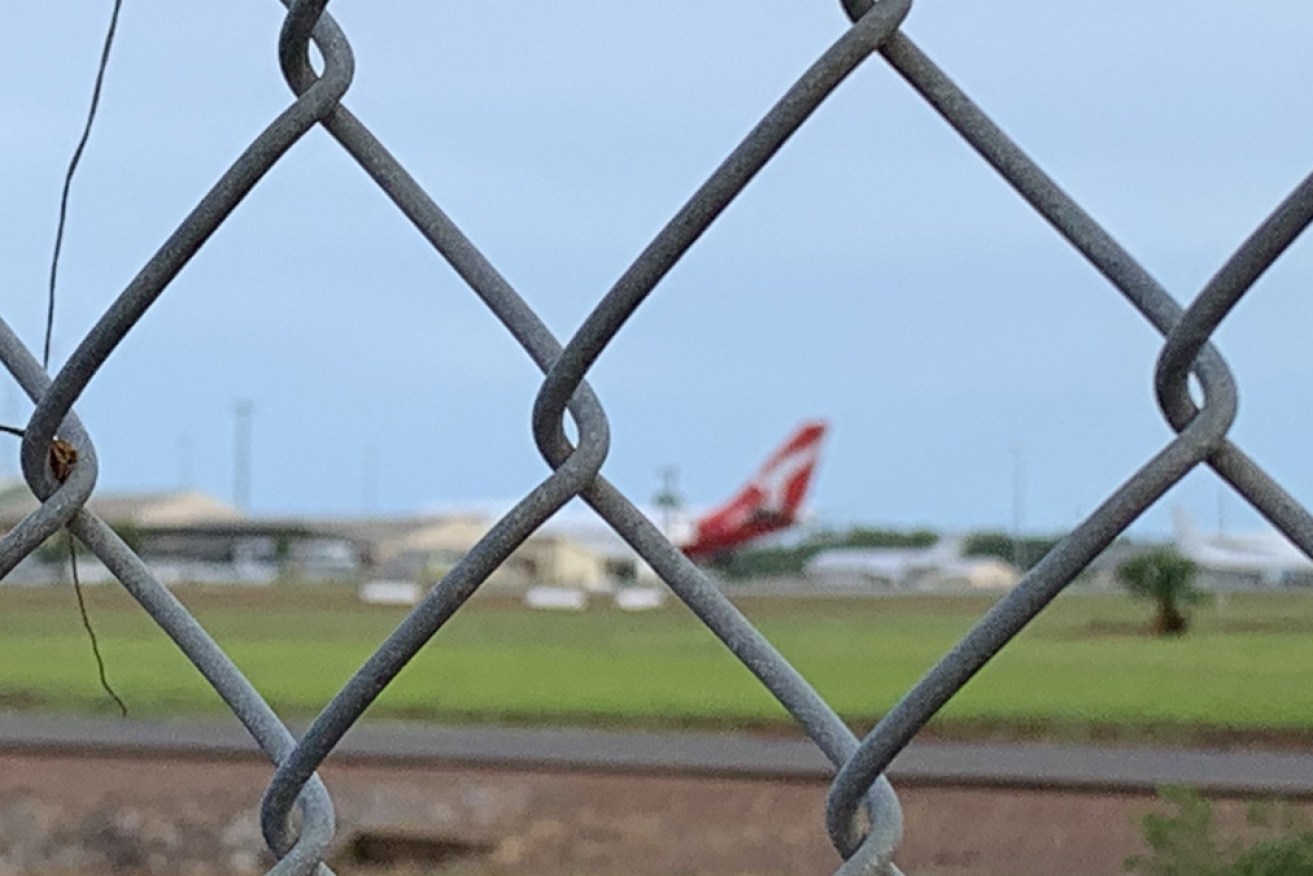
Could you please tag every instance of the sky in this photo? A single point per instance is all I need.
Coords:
(975, 371)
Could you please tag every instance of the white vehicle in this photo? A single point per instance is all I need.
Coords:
(639, 598)
(384, 591)
(1268, 555)
(544, 597)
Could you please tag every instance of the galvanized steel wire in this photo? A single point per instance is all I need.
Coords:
(862, 814)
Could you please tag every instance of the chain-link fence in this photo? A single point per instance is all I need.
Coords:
(862, 816)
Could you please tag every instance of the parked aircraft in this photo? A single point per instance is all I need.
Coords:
(1269, 555)
(897, 565)
(770, 502)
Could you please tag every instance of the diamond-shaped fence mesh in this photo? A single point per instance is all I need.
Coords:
(862, 815)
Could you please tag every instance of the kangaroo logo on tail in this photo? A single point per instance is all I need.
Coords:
(770, 501)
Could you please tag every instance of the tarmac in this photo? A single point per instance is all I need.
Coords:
(729, 755)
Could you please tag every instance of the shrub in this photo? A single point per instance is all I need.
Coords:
(1184, 842)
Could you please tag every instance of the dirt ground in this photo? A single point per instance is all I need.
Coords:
(138, 816)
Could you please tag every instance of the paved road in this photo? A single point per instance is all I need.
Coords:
(940, 764)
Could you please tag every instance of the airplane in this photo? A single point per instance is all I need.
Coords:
(1269, 555)
(899, 566)
(770, 502)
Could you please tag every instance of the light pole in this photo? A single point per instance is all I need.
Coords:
(242, 455)
(1018, 502)
(184, 462)
(668, 499)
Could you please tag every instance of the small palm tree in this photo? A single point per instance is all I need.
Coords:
(1167, 578)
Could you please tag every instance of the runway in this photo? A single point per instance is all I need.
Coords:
(728, 755)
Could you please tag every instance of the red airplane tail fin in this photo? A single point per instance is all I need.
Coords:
(770, 501)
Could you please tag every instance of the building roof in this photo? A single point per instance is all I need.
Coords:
(164, 508)
(191, 512)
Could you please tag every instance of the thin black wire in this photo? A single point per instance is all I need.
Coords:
(68, 178)
(10, 430)
(91, 634)
(50, 320)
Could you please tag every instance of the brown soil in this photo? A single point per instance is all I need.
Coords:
(126, 816)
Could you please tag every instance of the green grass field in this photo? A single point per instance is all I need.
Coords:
(1085, 668)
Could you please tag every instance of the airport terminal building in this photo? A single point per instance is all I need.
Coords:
(191, 537)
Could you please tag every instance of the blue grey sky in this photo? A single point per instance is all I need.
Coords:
(877, 273)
